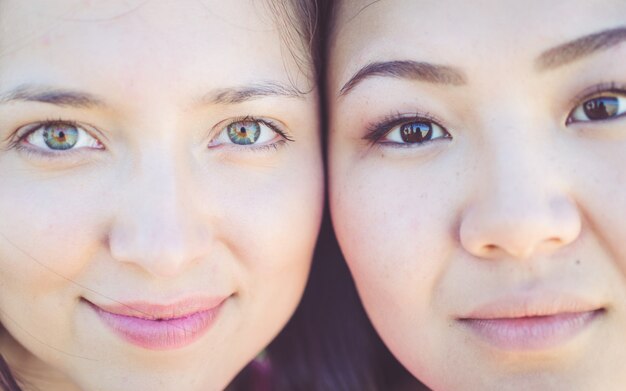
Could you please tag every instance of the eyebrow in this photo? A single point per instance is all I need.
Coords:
(54, 96)
(413, 70)
(579, 48)
(78, 99)
(234, 95)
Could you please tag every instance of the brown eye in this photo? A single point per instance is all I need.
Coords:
(415, 132)
(599, 108)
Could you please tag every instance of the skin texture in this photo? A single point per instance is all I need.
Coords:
(166, 208)
(516, 205)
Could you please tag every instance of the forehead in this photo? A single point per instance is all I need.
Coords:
(462, 33)
(153, 42)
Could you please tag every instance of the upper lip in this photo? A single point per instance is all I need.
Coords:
(522, 306)
(171, 310)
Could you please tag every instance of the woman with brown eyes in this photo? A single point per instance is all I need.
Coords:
(161, 190)
(477, 168)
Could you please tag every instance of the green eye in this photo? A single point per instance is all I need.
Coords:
(60, 136)
(244, 132)
(247, 133)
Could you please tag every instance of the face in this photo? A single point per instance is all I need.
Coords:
(161, 190)
(477, 173)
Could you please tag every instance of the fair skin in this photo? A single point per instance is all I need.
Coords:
(122, 182)
(487, 241)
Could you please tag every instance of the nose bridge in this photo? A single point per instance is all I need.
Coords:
(516, 174)
(158, 225)
(160, 191)
(522, 205)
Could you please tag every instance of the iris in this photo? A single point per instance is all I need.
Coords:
(60, 136)
(244, 132)
(416, 132)
(601, 108)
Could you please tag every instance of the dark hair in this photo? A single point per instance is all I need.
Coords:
(298, 23)
(7, 381)
(330, 344)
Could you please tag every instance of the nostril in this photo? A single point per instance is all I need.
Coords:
(490, 247)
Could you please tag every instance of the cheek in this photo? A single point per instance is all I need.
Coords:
(600, 191)
(271, 226)
(395, 224)
(394, 234)
(49, 231)
(50, 227)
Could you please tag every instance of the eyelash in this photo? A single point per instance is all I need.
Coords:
(31, 152)
(596, 91)
(376, 131)
(41, 154)
(275, 127)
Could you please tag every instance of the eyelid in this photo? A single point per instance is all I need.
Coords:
(25, 131)
(596, 91)
(380, 129)
(274, 125)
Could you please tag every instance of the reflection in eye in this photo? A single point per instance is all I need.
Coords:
(60, 136)
(416, 132)
(599, 108)
(249, 132)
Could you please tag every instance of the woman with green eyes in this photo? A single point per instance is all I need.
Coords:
(477, 180)
(161, 190)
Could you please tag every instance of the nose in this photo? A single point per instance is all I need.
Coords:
(160, 225)
(522, 208)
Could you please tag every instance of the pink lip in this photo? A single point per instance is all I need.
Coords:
(525, 323)
(158, 326)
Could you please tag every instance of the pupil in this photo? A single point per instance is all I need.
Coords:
(60, 137)
(601, 108)
(416, 132)
(244, 132)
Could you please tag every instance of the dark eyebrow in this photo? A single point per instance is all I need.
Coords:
(414, 70)
(54, 96)
(579, 48)
(234, 95)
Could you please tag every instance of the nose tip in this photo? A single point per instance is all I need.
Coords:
(160, 224)
(164, 250)
(520, 233)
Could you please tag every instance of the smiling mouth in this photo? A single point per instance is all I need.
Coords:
(158, 327)
(539, 332)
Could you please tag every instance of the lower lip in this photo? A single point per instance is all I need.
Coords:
(531, 333)
(163, 334)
